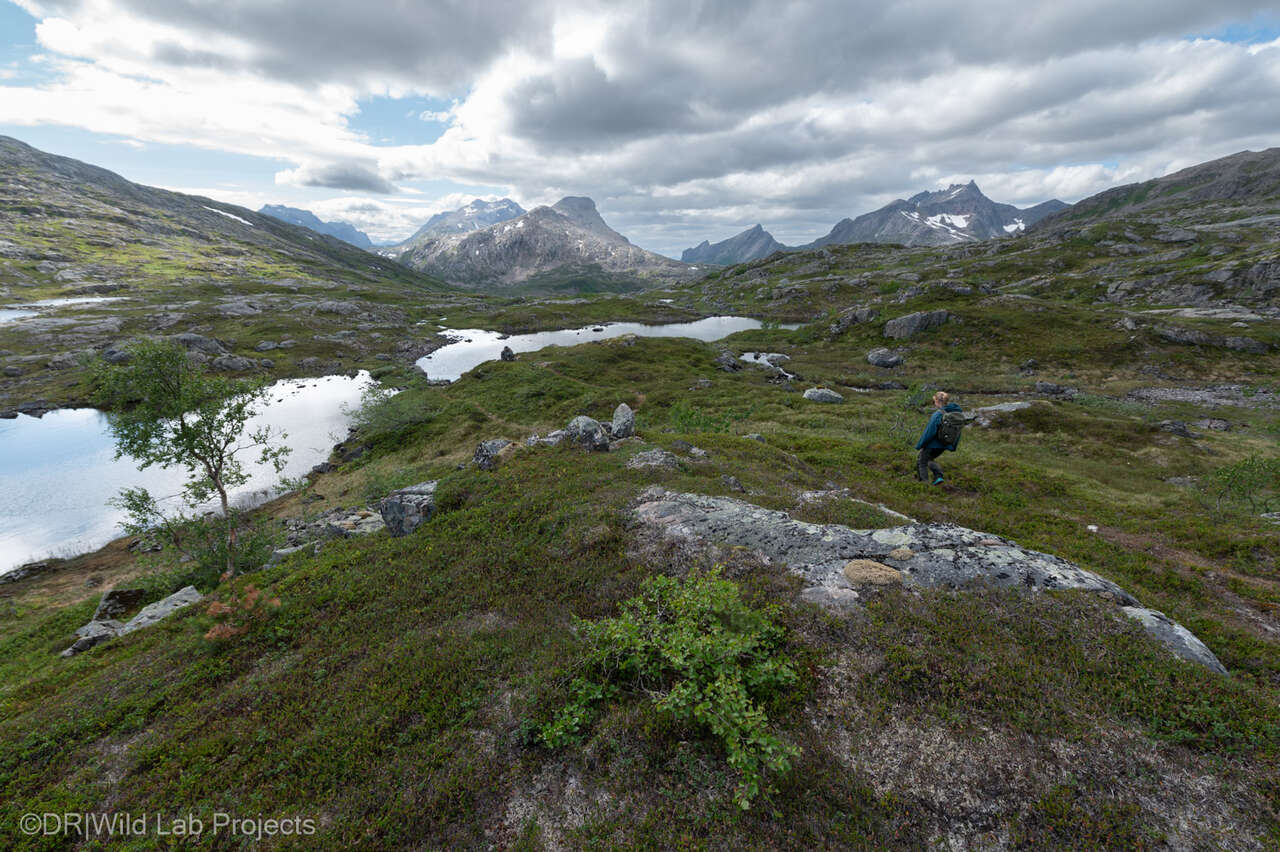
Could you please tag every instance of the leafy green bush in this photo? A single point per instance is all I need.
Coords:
(385, 413)
(689, 418)
(703, 656)
(1253, 480)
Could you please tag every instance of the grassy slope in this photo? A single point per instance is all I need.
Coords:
(388, 693)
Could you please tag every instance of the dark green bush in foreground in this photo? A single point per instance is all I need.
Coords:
(703, 656)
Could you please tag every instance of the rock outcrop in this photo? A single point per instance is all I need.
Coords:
(822, 395)
(98, 631)
(405, 510)
(913, 324)
(924, 555)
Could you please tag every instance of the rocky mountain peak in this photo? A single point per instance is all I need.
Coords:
(582, 211)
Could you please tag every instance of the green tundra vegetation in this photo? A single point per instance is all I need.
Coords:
(526, 670)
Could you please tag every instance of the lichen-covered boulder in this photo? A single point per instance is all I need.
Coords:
(587, 432)
(405, 510)
(624, 421)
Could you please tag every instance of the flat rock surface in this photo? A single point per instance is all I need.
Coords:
(925, 555)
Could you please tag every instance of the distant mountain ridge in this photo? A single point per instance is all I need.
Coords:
(1242, 179)
(569, 240)
(751, 244)
(476, 215)
(958, 214)
(344, 231)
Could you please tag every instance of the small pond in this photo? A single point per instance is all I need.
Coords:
(57, 472)
(475, 346)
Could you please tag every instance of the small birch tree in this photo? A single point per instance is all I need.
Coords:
(165, 409)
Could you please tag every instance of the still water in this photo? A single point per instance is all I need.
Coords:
(474, 346)
(57, 472)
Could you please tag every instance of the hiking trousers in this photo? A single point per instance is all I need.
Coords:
(926, 464)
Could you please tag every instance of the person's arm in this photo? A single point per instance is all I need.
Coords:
(930, 429)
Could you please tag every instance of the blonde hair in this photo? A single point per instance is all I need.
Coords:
(942, 397)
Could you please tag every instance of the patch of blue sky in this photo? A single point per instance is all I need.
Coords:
(1261, 28)
(412, 120)
(150, 163)
(17, 46)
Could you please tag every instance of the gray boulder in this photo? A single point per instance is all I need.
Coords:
(404, 511)
(883, 358)
(587, 432)
(913, 324)
(91, 634)
(115, 355)
(265, 346)
(233, 363)
(1175, 637)
(507, 354)
(822, 395)
(851, 317)
(624, 421)
(727, 361)
(117, 602)
(655, 458)
(986, 415)
(162, 609)
(486, 455)
(199, 343)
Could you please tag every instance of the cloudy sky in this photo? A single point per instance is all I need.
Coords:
(684, 120)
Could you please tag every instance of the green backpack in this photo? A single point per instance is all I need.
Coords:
(949, 428)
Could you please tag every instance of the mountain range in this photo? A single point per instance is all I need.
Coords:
(565, 245)
(306, 219)
(476, 215)
(751, 244)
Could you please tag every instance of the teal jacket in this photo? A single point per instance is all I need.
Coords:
(929, 439)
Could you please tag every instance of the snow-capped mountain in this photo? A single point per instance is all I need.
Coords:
(958, 214)
(476, 215)
(554, 245)
(750, 244)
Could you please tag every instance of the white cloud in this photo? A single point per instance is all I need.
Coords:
(682, 121)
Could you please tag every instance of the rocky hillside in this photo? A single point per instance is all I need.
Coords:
(958, 214)
(548, 246)
(1236, 187)
(751, 244)
(476, 215)
(161, 263)
(344, 231)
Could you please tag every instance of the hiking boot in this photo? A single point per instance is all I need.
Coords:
(938, 481)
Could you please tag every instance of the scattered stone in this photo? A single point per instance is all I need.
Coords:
(656, 457)
(727, 361)
(835, 599)
(117, 602)
(1215, 424)
(151, 613)
(13, 372)
(587, 432)
(754, 436)
(1054, 389)
(233, 363)
(868, 572)
(404, 511)
(851, 317)
(279, 555)
(1127, 324)
(883, 358)
(324, 467)
(912, 324)
(624, 421)
(732, 483)
(700, 384)
(115, 355)
(1028, 367)
(1175, 427)
(486, 455)
(1273, 517)
(986, 415)
(507, 354)
(199, 343)
(266, 346)
(699, 454)
(822, 395)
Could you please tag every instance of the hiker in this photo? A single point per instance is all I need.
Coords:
(941, 433)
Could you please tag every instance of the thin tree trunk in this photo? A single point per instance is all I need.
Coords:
(231, 530)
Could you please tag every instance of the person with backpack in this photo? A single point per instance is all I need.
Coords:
(941, 433)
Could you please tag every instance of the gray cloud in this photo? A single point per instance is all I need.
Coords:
(350, 176)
